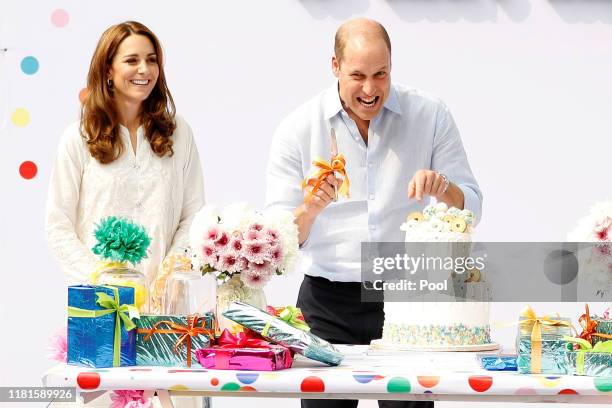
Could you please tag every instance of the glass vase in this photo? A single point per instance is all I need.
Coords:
(122, 275)
(233, 290)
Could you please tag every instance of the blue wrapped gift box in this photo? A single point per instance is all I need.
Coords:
(91, 339)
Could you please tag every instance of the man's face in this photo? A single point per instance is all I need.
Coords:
(364, 76)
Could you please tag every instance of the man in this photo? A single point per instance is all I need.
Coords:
(400, 146)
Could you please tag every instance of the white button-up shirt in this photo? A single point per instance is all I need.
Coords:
(413, 131)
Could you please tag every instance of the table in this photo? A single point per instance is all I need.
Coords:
(362, 375)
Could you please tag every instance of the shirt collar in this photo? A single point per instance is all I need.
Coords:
(332, 104)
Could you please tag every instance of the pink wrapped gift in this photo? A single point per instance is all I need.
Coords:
(240, 352)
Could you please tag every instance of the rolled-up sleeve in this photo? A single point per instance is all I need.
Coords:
(284, 173)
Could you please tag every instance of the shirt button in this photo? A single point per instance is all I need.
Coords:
(136, 166)
(371, 196)
(139, 204)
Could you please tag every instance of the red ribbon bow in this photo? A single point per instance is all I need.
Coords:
(187, 332)
(589, 327)
(240, 340)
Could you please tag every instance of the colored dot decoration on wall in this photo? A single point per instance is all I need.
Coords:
(20, 117)
(28, 170)
(247, 378)
(567, 391)
(83, 94)
(428, 381)
(29, 65)
(60, 18)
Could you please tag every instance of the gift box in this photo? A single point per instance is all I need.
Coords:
(171, 340)
(594, 329)
(279, 331)
(540, 343)
(587, 359)
(241, 352)
(100, 329)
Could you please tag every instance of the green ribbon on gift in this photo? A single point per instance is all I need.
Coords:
(124, 314)
(290, 315)
(586, 347)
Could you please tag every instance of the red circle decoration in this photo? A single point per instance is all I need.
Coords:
(28, 170)
(480, 383)
(567, 391)
(428, 381)
(214, 382)
(247, 388)
(88, 380)
(312, 384)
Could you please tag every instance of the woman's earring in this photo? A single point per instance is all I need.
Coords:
(109, 82)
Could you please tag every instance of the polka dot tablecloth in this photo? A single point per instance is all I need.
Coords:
(360, 374)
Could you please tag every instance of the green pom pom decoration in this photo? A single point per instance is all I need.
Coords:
(120, 240)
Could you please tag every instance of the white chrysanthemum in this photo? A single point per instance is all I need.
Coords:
(284, 223)
(586, 230)
(202, 221)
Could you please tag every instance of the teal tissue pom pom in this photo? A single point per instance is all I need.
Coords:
(120, 240)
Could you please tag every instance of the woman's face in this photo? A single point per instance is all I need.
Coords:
(134, 70)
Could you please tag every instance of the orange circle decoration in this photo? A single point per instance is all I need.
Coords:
(83, 94)
(480, 383)
(312, 384)
(214, 382)
(428, 381)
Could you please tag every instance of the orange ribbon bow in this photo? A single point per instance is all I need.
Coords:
(187, 332)
(589, 327)
(325, 169)
(536, 334)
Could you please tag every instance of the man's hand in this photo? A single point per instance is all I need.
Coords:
(426, 182)
(314, 204)
(430, 183)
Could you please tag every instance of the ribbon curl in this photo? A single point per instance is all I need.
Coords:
(589, 327)
(186, 331)
(111, 305)
(536, 334)
(325, 169)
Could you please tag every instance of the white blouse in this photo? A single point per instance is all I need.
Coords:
(161, 194)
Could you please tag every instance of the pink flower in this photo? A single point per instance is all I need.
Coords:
(212, 234)
(256, 226)
(222, 240)
(235, 244)
(129, 399)
(263, 268)
(256, 251)
(254, 279)
(209, 253)
(58, 345)
(253, 235)
(271, 235)
(276, 255)
(231, 263)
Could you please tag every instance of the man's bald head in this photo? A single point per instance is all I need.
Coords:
(362, 28)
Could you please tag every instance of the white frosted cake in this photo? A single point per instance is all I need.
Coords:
(438, 324)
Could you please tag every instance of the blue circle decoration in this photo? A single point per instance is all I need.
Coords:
(363, 378)
(29, 65)
(247, 378)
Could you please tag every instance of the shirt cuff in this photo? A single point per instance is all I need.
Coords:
(471, 202)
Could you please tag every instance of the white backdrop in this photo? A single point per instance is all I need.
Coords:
(528, 81)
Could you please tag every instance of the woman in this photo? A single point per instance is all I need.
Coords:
(128, 156)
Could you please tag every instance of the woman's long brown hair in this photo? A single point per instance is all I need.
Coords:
(99, 117)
